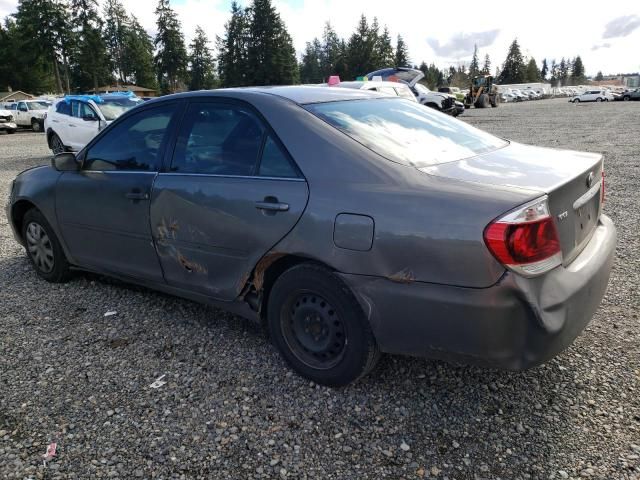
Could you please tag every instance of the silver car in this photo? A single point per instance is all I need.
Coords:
(351, 223)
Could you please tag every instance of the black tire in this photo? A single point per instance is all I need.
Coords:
(576, 100)
(319, 328)
(35, 126)
(495, 102)
(11, 132)
(52, 265)
(626, 98)
(56, 145)
(598, 99)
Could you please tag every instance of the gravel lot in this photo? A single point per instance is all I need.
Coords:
(230, 408)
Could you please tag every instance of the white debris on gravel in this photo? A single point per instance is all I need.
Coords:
(234, 407)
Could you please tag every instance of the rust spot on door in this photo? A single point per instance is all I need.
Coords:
(403, 276)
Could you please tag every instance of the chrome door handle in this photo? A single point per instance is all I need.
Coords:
(137, 196)
(272, 206)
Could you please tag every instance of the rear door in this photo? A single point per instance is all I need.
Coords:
(230, 193)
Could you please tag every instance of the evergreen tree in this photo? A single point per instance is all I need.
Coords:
(171, 53)
(474, 66)
(402, 53)
(201, 64)
(115, 36)
(360, 49)
(232, 49)
(91, 64)
(533, 74)
(384, 50)
(544, 70)
(42, 33)
(513, 69)
(555, 73)
(599, 76)
(486, 68)
(563, 72)
(333, 54)
(271, 58)
(138, 56)
(310, 67)
(577, 71)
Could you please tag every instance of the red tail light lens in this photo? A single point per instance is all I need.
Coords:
(525, 241)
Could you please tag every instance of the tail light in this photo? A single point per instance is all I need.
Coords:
(526, 240)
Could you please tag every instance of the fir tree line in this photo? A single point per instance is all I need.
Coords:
(72, 46)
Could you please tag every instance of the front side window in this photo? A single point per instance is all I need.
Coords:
(218, 139)
(133, 144)
(86, 111)
(406, 132)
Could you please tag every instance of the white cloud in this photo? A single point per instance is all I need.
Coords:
(547, 28)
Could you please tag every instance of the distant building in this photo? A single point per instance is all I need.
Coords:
(12, 96)
(631, 80)
(139, 91)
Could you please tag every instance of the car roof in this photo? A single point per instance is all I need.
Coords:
(300, 94)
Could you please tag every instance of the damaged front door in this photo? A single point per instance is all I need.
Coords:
(230, 194)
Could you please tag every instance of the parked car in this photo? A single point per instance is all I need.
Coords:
(29, 113)
(7, 124)
(351, 223)
(395, 89)
(592, 96)
(506, 97)
(630, 95)
(411, 76)
(455, 91)
(74, 120)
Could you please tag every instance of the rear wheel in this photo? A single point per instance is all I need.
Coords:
(35, 126)
(576, 100)
(626, 98)
(319, 327)
(495, 101)
(12, 131)
(598, 100)
(43, 248)
(56, 144)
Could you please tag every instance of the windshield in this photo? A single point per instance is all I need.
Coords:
(406, 132)
(37, 105)
(112, 108)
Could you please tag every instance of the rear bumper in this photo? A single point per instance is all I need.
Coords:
(516, 324)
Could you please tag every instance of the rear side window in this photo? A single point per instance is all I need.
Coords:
(274, 162)
(135, 144)
(218, 139)
(63, 108)
(406, 132)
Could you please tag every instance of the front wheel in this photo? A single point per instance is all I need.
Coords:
(43, 248)
(577, 100)
(56, 144)
(626, 99)
(319, 327)
(598, 100)
(35, 126)
(12, 131)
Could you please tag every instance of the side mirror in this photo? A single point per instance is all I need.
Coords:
(90, 118)
(65, 162)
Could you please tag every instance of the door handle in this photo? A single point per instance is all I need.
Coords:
(271, 204)
(133, 195)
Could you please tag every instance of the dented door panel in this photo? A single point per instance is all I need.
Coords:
(209, 231)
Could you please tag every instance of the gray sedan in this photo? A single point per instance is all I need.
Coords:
(350, 223)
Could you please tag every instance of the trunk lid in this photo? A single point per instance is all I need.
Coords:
(571, 180)
(410, 76)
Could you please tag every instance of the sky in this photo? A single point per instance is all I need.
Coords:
(606, 37)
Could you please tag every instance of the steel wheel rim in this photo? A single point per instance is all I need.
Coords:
(35, 126)
(40, 247)
(313, 330)
(56, 145)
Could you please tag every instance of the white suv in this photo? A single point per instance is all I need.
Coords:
(74, 120)
(29, 113)
(593, 96)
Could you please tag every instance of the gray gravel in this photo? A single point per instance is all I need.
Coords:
(230, 408)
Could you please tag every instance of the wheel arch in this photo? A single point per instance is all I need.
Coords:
(18, 211)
